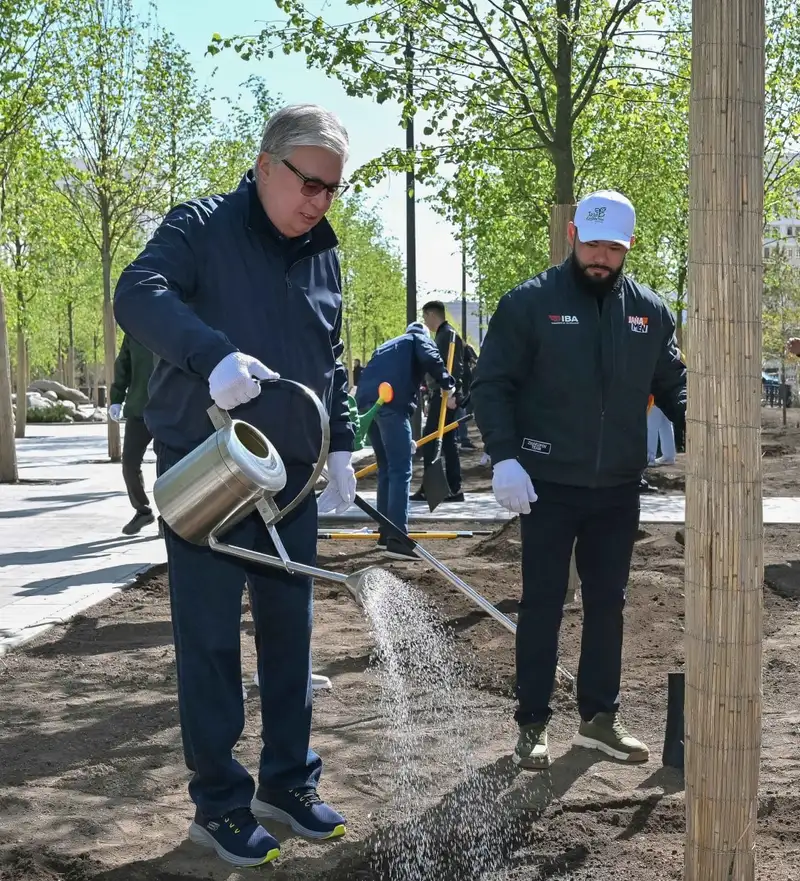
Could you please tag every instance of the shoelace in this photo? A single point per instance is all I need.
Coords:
(307, 797)
(239, 819)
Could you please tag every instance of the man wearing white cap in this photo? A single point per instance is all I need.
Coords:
(560, 395)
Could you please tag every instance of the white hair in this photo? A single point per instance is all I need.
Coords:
(304, 125)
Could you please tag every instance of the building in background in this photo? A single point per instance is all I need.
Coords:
(783, 234)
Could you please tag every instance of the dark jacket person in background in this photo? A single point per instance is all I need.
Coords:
(435, 318)
(232, 290)
(132, 371)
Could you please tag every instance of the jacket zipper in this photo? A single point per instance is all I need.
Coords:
(602, 398)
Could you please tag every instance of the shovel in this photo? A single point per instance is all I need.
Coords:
(434, 478)
(451, 426)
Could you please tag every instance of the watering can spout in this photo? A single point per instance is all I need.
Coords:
(357, 583)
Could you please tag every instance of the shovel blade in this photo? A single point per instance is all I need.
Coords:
(434, 484)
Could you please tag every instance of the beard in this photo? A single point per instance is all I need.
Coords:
(597, 285)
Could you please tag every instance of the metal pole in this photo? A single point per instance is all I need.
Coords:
(411, 217)
(464, 284)
(411, 223)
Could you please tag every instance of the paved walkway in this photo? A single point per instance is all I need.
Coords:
(61, 549)
(481, 507)
(60, 544)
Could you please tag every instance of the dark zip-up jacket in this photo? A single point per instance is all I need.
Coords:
(218, 277)
(402, 362)
(442, 340)
(562, 385)
(132, 371)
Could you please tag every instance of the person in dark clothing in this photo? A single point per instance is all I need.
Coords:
(228, 285)
(470, 362)
(357, 371)
(560, 396)
(402, 362)
(435, 318)
(132, 371)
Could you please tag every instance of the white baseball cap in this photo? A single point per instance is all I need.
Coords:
(605, 216)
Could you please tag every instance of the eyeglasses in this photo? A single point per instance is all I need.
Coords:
(313, 186)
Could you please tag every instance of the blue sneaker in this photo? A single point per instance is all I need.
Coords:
(302, 809)
(237, 838)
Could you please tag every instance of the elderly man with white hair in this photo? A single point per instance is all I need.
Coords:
(232, 290)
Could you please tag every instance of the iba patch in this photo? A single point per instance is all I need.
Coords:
(563, 319)
(534, 446)
(638, 323)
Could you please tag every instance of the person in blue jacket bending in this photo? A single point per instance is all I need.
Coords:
(402, 362)
(232, 290)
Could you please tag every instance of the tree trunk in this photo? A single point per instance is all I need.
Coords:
(560, 216)
(93, 390)
(680, 304)
(8, 449)
(109, 340)
(783, 390)
(23, 380)
(71, 345)
(724, 549)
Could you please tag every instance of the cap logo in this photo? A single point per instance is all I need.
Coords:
(597, 215)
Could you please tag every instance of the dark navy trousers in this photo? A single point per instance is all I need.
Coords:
(206, 598)
(604, 522)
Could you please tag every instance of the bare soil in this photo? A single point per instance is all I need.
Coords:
(93, 784)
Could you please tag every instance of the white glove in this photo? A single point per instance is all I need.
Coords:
(237, 380)
(413, 446)
(512, 487)
(338, 495)
(115, 412)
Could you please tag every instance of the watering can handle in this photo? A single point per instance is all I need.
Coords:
(220, 418)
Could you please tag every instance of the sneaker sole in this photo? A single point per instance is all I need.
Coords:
(591, 743)
(531, 764)
(409, 558)
(263, 811)
(204, 838)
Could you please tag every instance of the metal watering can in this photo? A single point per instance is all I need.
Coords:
(232, 473)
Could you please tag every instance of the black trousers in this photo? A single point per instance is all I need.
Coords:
(452, 463)
(137, 438)
(604, 522)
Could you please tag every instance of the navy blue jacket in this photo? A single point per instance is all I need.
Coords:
(562, 385)
(402, 362)
(218, 277)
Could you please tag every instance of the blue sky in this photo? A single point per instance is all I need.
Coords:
(372, 127)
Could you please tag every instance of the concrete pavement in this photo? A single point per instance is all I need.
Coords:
(61, 549)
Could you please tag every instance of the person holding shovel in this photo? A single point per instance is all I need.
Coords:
(402, 362)
(435, 318)
(232, 291)
(560, 398)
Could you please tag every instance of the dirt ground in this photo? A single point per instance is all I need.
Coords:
(93, 785)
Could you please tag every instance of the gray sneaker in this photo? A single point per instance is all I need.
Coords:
(532, 751)
(607, 733)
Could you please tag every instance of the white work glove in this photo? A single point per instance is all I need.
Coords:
(237, 380)
(338, 495)
(512, 487)
(413, 446)
(115, 412)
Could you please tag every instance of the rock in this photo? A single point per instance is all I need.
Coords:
(37, 402)
(50, 395)
(69, 405)
(62, 392)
